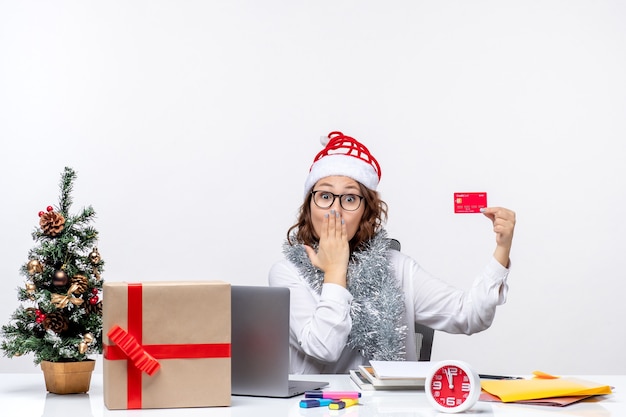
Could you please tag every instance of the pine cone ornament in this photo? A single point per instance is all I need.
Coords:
(55, 322)
(52, 223)
(81, 283)
(93, 308)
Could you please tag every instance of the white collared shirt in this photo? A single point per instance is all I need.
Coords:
(320, 323)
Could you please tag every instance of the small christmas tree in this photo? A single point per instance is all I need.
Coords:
(60, 318)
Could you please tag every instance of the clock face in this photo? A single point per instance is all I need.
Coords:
(452, 386)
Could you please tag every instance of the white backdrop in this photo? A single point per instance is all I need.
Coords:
(180, 118)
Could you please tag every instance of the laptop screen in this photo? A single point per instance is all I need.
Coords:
(260, 340)
(260, 343)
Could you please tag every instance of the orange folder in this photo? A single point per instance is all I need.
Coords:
(542, 386)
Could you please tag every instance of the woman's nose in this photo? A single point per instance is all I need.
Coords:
(336, 206)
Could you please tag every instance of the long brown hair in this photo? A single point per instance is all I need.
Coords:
(374, 216)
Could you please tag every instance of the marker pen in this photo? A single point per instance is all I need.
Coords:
(315, 402)
(333, 395)
(339, 404)
(484, 376)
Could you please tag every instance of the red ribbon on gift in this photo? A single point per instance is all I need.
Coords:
(133, 350)
(143, 358)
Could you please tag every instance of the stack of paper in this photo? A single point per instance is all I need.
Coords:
(544, 389)
(391, 375)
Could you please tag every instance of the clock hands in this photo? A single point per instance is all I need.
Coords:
(448, 372)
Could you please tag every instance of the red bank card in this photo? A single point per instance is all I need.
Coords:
(469, 202)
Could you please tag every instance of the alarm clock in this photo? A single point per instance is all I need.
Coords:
(452, 386)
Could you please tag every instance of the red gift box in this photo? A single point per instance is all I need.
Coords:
(166, 344)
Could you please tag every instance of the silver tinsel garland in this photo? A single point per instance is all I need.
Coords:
(378, 330)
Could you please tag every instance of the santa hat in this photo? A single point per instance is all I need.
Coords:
(344, 156)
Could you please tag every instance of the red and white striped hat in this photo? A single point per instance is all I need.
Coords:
(343, 156)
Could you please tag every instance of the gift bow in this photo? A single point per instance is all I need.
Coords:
(61, 300)
(133, 350)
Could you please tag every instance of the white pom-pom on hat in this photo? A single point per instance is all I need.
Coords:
(345, 156)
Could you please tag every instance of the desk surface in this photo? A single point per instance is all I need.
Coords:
(24, 395)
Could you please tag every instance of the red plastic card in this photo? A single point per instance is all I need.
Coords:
(469, 202)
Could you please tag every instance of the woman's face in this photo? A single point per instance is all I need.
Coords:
(337, 185)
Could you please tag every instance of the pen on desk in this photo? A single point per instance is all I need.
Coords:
(333, 395)
(485, 376)
(339, 404)
(315, 402)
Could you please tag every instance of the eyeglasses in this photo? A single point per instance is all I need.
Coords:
(325, 199)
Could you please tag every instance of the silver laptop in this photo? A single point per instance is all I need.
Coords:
(260, 344)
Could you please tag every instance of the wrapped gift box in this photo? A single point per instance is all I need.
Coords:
(166, 344)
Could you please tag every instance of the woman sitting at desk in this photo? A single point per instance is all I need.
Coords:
(353, 299)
